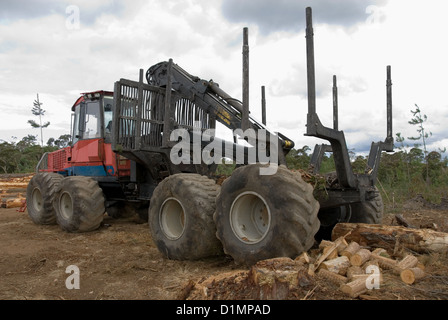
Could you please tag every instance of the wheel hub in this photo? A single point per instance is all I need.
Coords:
(250, 217)
(66, 205)
(172, 218)
(37, 199)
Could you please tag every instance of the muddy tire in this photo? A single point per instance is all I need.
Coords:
(40, 194)
(328, 218)
(79, 204)
(265, 216)
(369, 211)
(181, 217)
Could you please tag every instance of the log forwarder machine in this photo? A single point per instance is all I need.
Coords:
(148, 146)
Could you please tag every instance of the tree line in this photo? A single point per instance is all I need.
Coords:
(402, 175)
(23, 156)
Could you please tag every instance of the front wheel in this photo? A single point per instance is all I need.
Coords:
(79, 204)
(265, 216)
(40, 194)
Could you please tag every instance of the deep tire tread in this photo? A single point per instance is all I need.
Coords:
(197, 194)
(293, 214)
(88, 204)
(48, 183)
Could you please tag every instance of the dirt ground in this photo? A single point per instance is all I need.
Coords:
(119, 261)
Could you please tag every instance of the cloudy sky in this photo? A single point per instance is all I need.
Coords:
(62, 48)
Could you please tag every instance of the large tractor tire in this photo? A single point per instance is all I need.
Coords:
(369, 211)
(329, 217)
(181, 217)
(265, 216)
(40, 194)
(79, 205)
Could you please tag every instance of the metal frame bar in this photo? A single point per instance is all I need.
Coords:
(336, 138)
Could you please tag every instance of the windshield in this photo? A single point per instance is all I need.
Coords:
(89, 122)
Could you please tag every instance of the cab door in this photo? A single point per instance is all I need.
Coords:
(88, 140)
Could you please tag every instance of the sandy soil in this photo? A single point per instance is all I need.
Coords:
(120, 261)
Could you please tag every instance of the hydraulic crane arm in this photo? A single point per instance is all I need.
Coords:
(208, 96)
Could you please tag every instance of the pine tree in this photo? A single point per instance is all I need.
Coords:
(38, 111)
(418, 120)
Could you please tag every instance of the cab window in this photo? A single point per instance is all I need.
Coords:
(108, 116)
(92, 128)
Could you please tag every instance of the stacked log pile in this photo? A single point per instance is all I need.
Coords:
(393, 238)
(13, 190)
(354, 263)
(358, 269)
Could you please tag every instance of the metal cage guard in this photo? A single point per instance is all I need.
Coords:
(344, 171)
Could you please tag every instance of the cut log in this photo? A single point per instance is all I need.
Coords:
(342, 246)
(332, 255)
(351, 249)
(354, 271)
(11, 185)
(15, 203)
(275, 277)
(303, 258)
(421, 266)
(12, 195)
(325, 243)
(331, 276)
(355, 287)
(383, 236)
(381, 252)
(371, 262)
(311, 269)
(209, 288)
(360, 257)
(337, 265)
(409, 276)
(333, 247)
(383, 262)
(407, 262)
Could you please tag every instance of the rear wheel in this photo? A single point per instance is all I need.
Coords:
(369, 211)
(264, 216)
(40, 193)
(181, 217)
(329, 217)
(79, 204)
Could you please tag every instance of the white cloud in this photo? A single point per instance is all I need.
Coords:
(38, 54)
